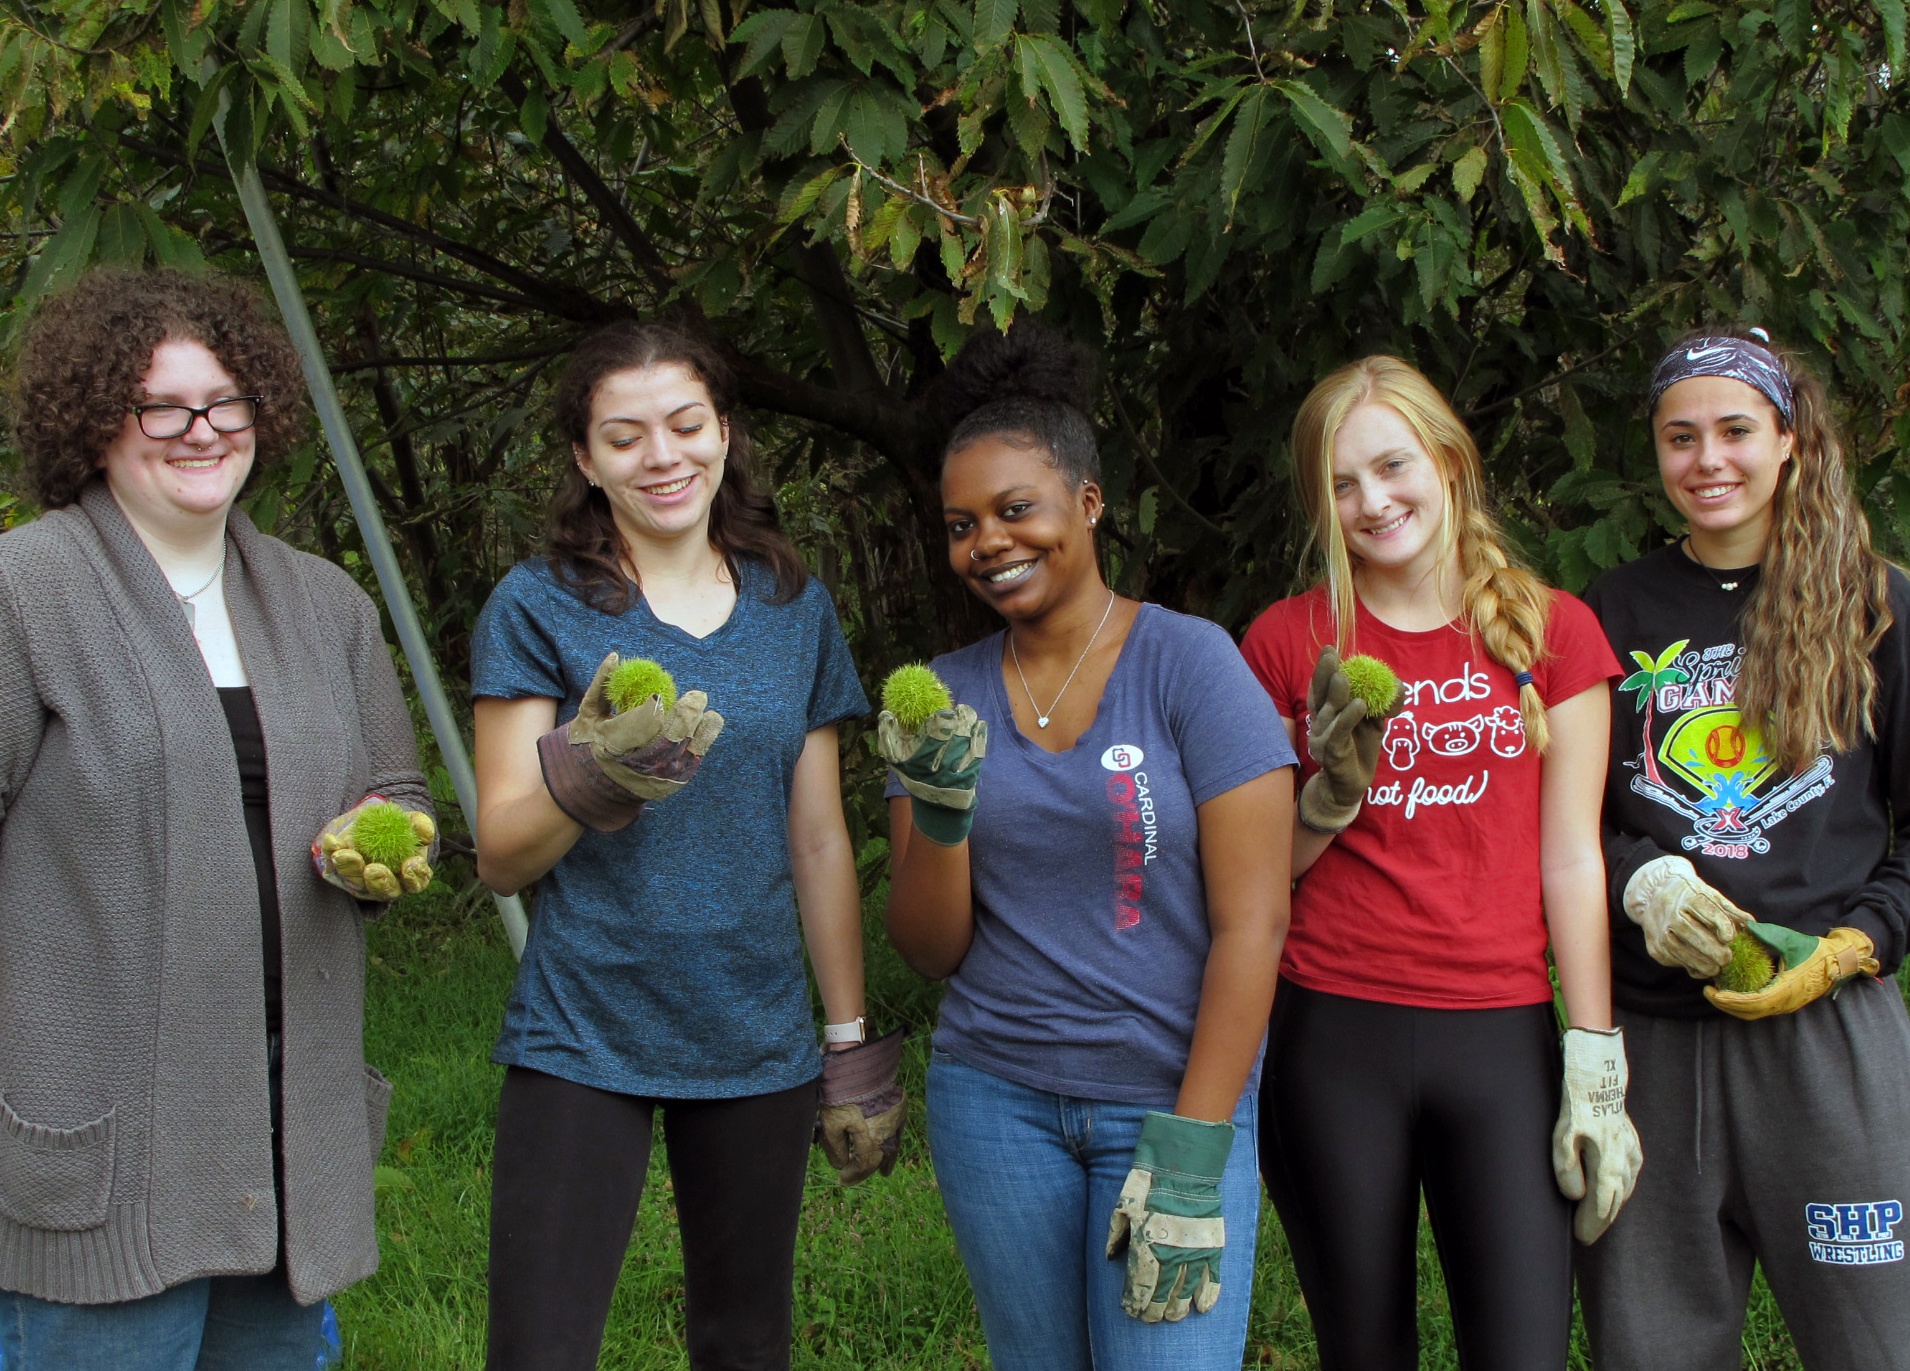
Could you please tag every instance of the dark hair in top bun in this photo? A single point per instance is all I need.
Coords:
(1030, 384)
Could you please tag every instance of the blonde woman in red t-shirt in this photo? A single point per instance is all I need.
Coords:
(1439, 852)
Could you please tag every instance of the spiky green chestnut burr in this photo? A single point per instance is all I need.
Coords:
(636, 679)
(383, 835)
(1750, 968)
(913, 693)
(1374, 682)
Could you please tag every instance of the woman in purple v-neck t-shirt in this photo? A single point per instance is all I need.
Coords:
(1108, 911)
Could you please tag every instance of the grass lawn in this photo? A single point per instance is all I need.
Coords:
(878, 1282)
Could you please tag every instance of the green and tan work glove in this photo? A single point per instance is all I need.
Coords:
(940, 768)
(1343, 741)
(602, 767)
(1810, 967)
(1168, 1218)
(860, 1123)
(1687, 923)
(1596, 1155)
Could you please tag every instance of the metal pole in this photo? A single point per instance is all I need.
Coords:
(371, 523)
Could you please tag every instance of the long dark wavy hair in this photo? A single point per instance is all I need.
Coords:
(582, 543)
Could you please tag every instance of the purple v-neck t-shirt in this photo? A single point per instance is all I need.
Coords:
(1091, 936)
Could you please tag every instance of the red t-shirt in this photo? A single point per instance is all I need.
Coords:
(1431, 897)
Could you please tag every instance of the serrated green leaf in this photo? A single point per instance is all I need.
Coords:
(994, 21)
(1369, 221)
(1592, 39)
(802, 45)
(533, 116)
(1411, 180)
(1581, 438)
(278, 33)
(1640, 179)
(1893, 15)
(904, 239)
(1246, 148)
(1056, 70)
(122, 238)
(799, 197)
(1468, 172)
(80, 189)
(1232, 97)
(762, 36)
(1326, 124)
(873, 126)
(1492, 53)
(1624, 43)
(1518, 53)
(826, 128)
(61, 258)
(567, 21)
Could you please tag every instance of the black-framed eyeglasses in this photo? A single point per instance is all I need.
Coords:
(233, 415)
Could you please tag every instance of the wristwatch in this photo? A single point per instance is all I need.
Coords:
(854, 1031)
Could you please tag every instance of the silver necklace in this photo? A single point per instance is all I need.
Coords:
(1042, 716)
(186, 601)
(1722, 584)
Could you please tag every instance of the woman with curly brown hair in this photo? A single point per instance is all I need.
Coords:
(189, 713)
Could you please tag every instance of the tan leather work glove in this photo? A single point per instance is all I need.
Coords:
(602, 767)
(1812, 968)
(1687, 923)
(1596, 1155)
(1343, 741)
(860, 1122)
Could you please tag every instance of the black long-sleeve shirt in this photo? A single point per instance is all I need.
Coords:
(1813, 850)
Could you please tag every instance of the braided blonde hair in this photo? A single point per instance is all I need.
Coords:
(1502, 604)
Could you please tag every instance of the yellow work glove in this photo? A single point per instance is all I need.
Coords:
(1811, 968)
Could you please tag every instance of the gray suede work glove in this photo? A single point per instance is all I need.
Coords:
(602, 767)
(1344, 742)
(860, 1123)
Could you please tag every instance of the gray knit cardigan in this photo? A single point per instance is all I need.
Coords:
(135, 1131)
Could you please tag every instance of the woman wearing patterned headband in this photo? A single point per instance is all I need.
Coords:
(1749, 829)
(1444, 844)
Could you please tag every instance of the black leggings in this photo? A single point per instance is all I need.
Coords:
(565, 1181)
(1365, 1103)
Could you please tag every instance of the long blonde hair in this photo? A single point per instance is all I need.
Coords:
(1502, 604)
(1821, 603)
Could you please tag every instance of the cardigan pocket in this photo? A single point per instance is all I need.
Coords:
(377, 1108)
(56, 1179)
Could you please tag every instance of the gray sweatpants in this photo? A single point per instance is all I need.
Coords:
(1785, 1141)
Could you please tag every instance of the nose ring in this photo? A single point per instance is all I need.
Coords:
(974, 555)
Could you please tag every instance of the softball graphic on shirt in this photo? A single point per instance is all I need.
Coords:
(1703, 761)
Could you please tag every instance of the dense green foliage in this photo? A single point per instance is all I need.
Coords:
(1223, 198)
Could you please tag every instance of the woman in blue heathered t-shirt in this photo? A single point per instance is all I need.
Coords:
(679, 873)
(1108, 909)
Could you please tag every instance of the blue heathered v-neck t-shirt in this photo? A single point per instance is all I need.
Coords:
(665, 959)
(1091, 935)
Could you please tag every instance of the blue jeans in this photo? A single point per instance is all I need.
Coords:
(216, 1323)
(1029, 1179)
